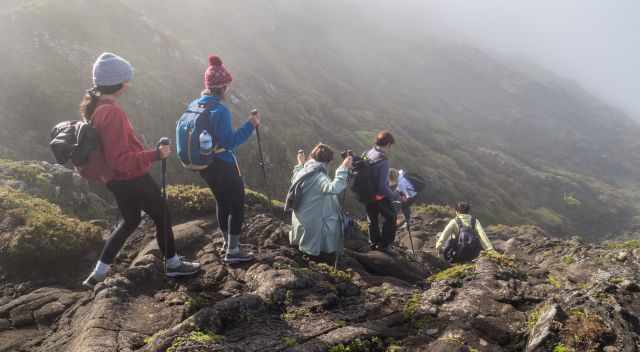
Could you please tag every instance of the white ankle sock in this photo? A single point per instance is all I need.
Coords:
(101, 270)
(174, 262)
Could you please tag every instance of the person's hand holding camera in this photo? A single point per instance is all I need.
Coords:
(347, 162)
(301, 157)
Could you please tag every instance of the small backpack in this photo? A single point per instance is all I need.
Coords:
(418, 182)
(195, 120)
(73, 140)
(466, 246)
(364, 183)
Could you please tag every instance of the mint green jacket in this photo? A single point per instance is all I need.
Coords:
(317, 224)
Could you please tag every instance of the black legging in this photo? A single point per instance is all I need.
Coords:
(133, 196)
(228, 188)
(374, 211)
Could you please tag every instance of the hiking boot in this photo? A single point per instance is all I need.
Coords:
(389, 250)
(184, 269)
(234, 258)
(91, 281)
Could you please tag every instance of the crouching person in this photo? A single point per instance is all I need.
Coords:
(464, 238)
(317, 220)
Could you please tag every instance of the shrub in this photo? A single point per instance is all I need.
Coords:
(190, 201)
(40, 236)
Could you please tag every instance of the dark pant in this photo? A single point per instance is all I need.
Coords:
(374, 211)
(133, 196)
(228, 188)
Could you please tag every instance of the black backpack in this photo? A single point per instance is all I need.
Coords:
(364, 183)
(418, 182)
(466, 246)
(73, 140)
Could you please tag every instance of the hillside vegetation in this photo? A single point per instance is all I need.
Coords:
(522, 145)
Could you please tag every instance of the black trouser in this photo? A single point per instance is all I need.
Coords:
(228, 188)
(374, 211)
(133, 196)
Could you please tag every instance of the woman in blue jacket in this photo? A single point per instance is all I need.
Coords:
(223, 174)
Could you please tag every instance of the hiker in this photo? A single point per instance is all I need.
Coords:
(384, 200)
(463, 238)
(400, 183)
(317, 219)
(123, 164)
(223, 173)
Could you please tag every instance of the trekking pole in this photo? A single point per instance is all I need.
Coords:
(410, 238)
(165, 210)
(261, 162)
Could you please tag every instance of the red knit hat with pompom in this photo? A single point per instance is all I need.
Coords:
(216, 75)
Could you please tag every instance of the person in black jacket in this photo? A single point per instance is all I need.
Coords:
(383, 203)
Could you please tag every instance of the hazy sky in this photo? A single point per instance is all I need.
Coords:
(595, 42)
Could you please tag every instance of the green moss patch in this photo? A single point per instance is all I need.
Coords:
(190, 201)
(335, 274)
(38, 236)
(500, 259)
(441, 211)
(412, 306)
(631, 244)
(373, 344)
(456, 272)
(254, 197)
(196, 339)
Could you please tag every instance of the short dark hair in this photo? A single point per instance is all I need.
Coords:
(384, 138)
(463, 207)
(322, 153)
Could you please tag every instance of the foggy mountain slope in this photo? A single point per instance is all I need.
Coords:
(51, 45)
(521, 147)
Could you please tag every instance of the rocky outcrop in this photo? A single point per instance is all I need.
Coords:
(56, 184)
(539, 294)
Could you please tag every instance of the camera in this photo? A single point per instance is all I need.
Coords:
(346, 153)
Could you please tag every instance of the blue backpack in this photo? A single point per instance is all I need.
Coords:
(193, 122)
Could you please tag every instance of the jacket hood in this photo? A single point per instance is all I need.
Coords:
(375, 153)
(206, 99)
(311, 166)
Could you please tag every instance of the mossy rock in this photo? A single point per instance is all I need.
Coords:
(57, 184)
(440, 211)
(456, 272)
(257, 198)
(36, 236)
(190, 201)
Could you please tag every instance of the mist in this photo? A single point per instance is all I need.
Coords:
(595, 43)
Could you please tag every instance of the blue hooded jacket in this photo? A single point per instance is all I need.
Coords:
(223, 134)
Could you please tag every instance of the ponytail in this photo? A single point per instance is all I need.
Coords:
(90, 100)
(89, 103)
